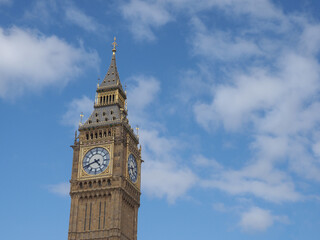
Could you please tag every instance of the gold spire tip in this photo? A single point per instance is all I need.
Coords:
(114, 45)
(81, 116)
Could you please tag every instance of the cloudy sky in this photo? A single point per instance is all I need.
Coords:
(226, 94)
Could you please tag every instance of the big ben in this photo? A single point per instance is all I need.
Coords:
(106, 168)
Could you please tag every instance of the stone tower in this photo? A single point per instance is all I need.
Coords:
(105, 180)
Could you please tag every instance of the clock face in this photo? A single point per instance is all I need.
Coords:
(96, 161)
(132, 168)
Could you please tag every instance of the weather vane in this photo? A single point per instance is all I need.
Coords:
(137, 128)
(81, 116)
(114, 45)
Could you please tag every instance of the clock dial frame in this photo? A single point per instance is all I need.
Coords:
(96, 161)
(132, 168)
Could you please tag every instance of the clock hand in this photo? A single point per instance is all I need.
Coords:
(97, 161)
(87, 165)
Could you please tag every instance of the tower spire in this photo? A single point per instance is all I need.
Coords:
(112, 77)
(114, 46)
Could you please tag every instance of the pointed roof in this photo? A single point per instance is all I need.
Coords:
(112, 78)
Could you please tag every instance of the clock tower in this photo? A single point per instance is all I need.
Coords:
(106, 168)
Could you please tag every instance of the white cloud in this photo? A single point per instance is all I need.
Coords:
(165, 179)
(220, 207)
(316, 149)
(257, 220)
(79, 18)
(79, 105)
(162, 174)
(214, 44)
(142, 91)
(275, 100)
(145, 16)
(202, 161)
(310, 39)
(61, 189)
(162, 177)
(259, 179)
(31, 61)
(156, 144)
(42, 10)
(281, 109)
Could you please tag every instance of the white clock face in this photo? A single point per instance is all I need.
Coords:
(132, 168)
(96, 161)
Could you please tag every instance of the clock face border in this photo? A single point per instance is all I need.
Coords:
(82, 174)
(102, 158)
(133, 158)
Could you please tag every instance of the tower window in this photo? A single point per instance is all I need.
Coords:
(113, 97)
(90, 216)
(106, 119)
(100, 134)
(97, 120)
(96, 114)
(113, 118)
(104, 215)
(85, 218)
(91, 135)
(109, 133)
(99, 215)
(87, 136)
(96, 135)
(90, 121)
(111, 112)
(103, 113)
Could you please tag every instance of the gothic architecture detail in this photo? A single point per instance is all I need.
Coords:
(106, 168)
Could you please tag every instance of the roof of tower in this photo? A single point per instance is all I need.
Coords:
(112, 78)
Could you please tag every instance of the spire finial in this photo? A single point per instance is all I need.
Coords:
(114, 45)
(81, 116)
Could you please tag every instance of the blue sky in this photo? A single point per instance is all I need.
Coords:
(225, 92)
